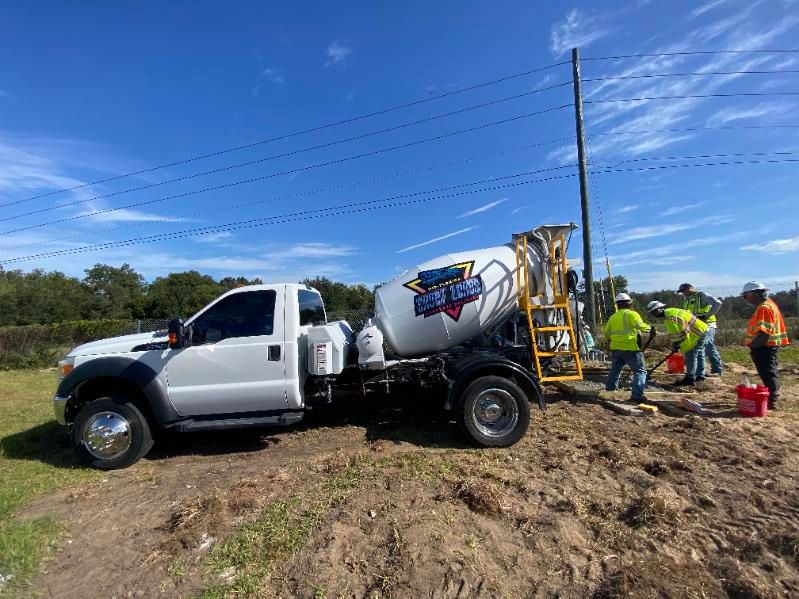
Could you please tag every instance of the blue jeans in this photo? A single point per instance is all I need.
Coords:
(709, 350)
(695, 359)
(635, 361)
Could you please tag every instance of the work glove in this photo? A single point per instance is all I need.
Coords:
(652, 333)
(702, 317)
(675, 347)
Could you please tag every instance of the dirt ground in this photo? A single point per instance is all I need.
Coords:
(589, 504)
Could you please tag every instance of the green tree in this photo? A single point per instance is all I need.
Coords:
(340, 297)
(181, 294)
(116, 292)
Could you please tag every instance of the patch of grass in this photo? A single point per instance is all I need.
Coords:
(35, 458)
(247, 558)
(787, 355)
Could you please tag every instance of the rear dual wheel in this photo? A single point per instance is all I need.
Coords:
(493, 412)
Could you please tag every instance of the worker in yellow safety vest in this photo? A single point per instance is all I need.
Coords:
(704, 307)
(765, 335)
(624, 329)
(686, 333)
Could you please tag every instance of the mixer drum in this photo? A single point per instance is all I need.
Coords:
(448, 300)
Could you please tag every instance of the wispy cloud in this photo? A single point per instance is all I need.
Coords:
(214, 237)
(274, 75)
(763, 109)
(575, 30)
(4, 94)
(518, 209)
(124, 215)
(628, 208)
(483, 208)
(778, 246)
(435, 239)
(319, 250)
(706, 7)
(678, 209)
(337, 53)
(650, 231)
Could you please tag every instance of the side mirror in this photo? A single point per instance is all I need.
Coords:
(177, 334)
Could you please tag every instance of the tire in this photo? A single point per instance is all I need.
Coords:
(493, 412)
(111, 433)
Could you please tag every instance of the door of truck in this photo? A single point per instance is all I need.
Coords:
(236, 362)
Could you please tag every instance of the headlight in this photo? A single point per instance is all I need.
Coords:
(65, 366)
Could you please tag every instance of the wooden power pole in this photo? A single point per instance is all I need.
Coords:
(588, 267)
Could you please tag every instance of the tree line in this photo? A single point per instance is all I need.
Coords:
(120, 293)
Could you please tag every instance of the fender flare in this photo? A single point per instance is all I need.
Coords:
(482, 364)
(133, 372)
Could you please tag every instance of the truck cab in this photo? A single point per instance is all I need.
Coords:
(240, 361)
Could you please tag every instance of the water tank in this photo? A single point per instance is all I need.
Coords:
(451, 299)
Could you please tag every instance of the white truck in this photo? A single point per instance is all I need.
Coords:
(262, 355)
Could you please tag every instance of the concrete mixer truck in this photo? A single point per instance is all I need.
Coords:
(477, 331)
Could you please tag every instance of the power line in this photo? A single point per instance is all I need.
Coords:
(688, 129)
(281, 173)
(292, 217)
(298, 194)
(301, 132)
(284, 154)
(701, 156)
(689, 97)
(689, 53)
(707, 74)
(699, 165)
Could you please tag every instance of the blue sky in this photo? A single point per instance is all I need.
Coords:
(96, 90)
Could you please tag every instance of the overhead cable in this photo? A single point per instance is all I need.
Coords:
(687, 53)
(298, 133)
(706, 74)
(690, 97)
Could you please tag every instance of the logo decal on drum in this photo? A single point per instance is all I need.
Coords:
(446, 289)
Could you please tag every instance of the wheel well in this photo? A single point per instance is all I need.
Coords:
(532, 391)
(103, 387)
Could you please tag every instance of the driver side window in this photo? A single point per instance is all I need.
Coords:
(246, 314)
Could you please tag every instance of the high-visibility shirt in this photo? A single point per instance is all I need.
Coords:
(767, 318)
(693, 303)
(684, 328)
(623, 328)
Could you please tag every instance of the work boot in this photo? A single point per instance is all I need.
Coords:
(641, 399)
(713, 374)
(684, 382)
(699, 379)
(772, 405)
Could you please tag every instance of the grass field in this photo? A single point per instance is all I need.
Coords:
(35, 458)
(787, 355)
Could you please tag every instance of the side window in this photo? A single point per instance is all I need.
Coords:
(245, 314)
(312, 310)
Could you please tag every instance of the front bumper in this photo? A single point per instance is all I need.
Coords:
(60, 408)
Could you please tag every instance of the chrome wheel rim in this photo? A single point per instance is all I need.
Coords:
(107, 435)
(495, 413)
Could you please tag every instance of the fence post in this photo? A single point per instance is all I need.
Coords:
(138, 326)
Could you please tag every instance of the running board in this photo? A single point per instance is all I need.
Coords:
(192, 425)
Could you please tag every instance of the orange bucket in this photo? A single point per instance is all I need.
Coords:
(675, 364)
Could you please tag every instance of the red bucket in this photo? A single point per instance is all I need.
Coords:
(752, 401)
(675, 364)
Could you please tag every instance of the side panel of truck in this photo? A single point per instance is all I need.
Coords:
(234, 374)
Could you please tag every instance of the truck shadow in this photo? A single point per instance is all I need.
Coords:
(413, 420)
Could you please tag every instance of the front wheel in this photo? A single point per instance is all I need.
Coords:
(493, 412)
(111, 433)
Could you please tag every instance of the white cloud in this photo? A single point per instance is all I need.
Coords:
(650, 231)
(435, 239)
(729, 115)
(518, 209)
(678, 209)
(574, 31)
(337, 53)
(483, 208)
(213, 237)
(629, 208)
(274, 75)
(707, 6)
(95, 212)
(778, 246)
(652, 280)
(4, 94)
(319, 250)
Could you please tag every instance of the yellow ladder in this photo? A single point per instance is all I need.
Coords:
(560, 302)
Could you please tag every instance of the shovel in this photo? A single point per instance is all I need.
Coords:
(651, 370)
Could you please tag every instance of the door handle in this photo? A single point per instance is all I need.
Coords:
(274, 353)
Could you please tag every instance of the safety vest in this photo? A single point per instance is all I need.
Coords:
(623, 328)
(693, 303)
(767, 318)
(684, 328)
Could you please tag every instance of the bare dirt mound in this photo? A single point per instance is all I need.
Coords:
(590, 503)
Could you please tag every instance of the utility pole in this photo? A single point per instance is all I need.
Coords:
(588, 267)
(796, 291)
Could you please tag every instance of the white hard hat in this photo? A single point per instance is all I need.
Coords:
(753, 286)
(623, 297)
(654, 305)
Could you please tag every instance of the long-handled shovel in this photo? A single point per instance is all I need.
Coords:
(651, 370)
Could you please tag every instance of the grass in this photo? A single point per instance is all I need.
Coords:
(787, 355)
(35, 458)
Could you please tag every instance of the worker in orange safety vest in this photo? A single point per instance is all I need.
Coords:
(765, 335)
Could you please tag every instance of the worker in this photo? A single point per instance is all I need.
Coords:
(704, 307)
(624, 329)
(686, 333)
(765, 335)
